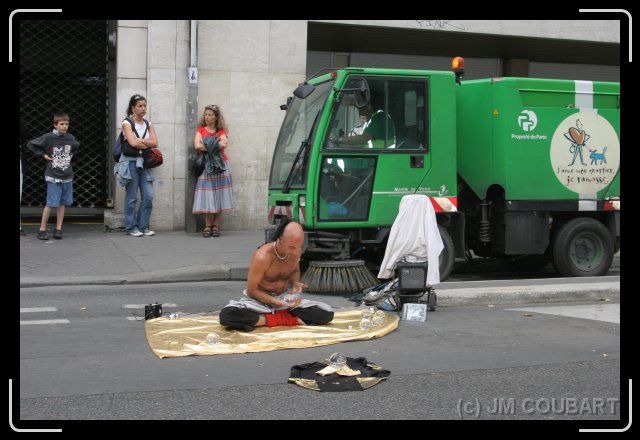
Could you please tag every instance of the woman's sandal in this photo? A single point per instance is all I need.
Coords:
(206, 232)
(215, 231)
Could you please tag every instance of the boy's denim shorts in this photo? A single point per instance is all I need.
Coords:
(59, 194)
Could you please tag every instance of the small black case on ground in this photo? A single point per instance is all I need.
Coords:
(152, 311)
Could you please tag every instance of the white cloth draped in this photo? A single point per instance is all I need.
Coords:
(414, 236)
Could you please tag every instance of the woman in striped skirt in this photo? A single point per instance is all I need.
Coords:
(214, 191)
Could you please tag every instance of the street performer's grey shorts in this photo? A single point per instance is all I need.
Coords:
(244, 314)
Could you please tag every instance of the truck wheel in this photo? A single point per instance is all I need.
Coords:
(448, 254)
(583, 247)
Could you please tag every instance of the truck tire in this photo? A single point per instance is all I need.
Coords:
(583, 247)
(448, 254)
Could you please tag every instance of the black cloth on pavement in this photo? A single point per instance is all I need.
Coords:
(305, 376)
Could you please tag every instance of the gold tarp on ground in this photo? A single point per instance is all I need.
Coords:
(186, 336)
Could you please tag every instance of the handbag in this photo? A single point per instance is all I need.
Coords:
(127, 149)
(198, 164)
(152, 157)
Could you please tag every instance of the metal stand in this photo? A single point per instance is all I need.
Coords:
(428, 297)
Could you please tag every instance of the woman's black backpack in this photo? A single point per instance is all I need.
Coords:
(122, 146)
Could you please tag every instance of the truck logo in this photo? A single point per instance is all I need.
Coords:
(527, 120)
(578, 138)
(573, 137)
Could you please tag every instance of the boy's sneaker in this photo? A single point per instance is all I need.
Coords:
(148, 232)
(57, 234)
(43, 235)
(135, 233)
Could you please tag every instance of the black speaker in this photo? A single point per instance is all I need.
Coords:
(412, 276)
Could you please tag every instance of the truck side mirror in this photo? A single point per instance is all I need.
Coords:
(288, 104)
(359, 95)
(303, 90)
(363, 95)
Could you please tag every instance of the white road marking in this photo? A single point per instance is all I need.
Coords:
(141, 306)
(45, 321)
(37, 309)
(597, 312)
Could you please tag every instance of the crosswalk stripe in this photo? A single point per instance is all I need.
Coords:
(141, 306)
(45, 321)
(37, 309)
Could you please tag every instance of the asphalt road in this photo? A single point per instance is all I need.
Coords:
(92, 362)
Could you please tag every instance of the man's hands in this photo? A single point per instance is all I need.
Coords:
(293, 298)
(334, 140)
(297, 287)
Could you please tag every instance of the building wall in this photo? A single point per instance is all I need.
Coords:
(589, 30)
(248, 68)
(248, 74)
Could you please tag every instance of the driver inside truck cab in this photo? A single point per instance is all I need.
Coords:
(358, 129)
(378, 132)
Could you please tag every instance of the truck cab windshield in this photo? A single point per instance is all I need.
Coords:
(295, 130)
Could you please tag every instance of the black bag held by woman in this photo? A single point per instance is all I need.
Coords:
(197, 167)
(127, 149)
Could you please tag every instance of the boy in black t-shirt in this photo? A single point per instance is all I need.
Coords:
(57, 148)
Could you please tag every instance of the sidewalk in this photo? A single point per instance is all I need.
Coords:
(89, 255)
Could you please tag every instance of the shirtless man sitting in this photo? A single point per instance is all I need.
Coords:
(274, 265)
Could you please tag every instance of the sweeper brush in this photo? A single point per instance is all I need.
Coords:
(339, 277)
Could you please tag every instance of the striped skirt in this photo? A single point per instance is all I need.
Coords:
(214, 192)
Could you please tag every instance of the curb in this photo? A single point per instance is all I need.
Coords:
(478, 296)
(529, 294)
(218, 272)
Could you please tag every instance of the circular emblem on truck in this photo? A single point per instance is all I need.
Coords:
(527, 120)
(585, 153)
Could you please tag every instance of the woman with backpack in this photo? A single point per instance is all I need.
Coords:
(139, 135)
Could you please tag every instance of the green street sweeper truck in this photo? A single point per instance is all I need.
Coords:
(521, 169)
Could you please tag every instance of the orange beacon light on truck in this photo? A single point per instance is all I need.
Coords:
(457, 65)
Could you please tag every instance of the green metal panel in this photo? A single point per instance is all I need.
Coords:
(441, 180)
(516, 133)
(475, 155)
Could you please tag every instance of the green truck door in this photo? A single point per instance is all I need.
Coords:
(373, 156)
